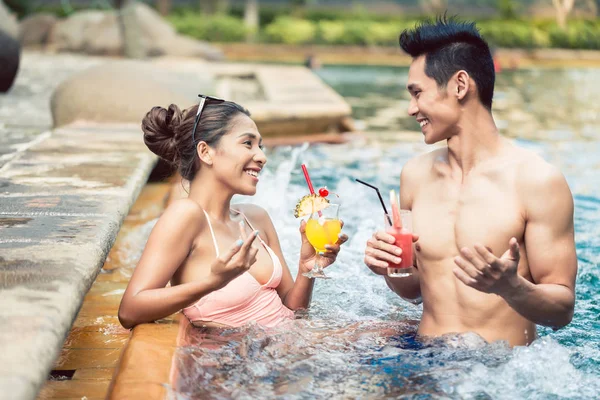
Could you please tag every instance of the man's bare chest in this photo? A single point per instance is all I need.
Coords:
(448, 216)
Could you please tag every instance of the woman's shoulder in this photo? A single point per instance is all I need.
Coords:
(184, 212)
(253, 212)
(259, 218)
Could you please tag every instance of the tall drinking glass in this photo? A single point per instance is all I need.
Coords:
(403, 238)
(322, 228)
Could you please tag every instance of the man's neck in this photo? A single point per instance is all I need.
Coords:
(476, 140)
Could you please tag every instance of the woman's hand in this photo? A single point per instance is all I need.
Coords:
(237, 260)
(308, 254)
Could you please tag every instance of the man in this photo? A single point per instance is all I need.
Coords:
(495, 251)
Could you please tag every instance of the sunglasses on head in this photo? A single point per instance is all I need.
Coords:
(203, 100)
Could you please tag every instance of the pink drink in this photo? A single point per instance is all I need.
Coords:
(403, 236)
(404, 241)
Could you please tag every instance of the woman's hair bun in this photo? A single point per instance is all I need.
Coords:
(161, 131)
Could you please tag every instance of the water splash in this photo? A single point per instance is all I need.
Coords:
(540, 371)
(358, 340)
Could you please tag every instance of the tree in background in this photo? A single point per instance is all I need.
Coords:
(133, 42)
(509, 9)
(163, 6)
(298, 6)
(563, 8)
(433, 6)
(251, 19)
(210, 7)
(592, 6)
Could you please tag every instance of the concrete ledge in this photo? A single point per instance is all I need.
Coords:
(392, 55)
(296, 101)
(287, 100)
(62, 202)
(145, 369)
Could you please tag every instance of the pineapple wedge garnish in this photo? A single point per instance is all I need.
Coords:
(309, 204)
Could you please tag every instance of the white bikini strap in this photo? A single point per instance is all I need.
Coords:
(249, 224)
(212, 233)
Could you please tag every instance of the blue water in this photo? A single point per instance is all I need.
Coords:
(358, 339)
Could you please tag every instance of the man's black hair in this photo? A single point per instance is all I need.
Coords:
(449, 46)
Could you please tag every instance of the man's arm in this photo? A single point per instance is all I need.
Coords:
(408, 288)
(550, 248)
(550, 245)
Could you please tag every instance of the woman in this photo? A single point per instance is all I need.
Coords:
(224, 263)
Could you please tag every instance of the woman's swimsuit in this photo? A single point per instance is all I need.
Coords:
(243, 299)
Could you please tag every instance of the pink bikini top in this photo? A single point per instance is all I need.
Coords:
(243, 299)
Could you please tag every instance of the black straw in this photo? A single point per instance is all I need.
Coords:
(380, 198)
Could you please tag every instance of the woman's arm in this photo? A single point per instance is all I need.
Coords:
(146, 297)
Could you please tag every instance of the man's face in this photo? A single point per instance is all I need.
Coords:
(434, 108)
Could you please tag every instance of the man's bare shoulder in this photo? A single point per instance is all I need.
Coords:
(422, 163)
(535, 171)
(539, 180)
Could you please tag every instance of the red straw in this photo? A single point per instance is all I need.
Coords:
(309, 183)
(395, 210)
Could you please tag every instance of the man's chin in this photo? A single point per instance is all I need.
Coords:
(433, 139)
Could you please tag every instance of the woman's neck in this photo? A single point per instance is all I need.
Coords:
(212, 197)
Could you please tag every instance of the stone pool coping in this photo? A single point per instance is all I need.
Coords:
(147, 367)
(292, 100)
(393, 56)
(63, 200)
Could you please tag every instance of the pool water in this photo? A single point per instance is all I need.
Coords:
(358, 340)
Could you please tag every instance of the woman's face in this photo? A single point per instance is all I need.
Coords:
(239, 157)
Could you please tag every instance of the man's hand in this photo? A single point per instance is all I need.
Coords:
(381, 252)
(482, 270)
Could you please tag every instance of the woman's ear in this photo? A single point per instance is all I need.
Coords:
(204, 153)
(463, 83)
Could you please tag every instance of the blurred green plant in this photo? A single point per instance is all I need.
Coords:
(577, 35)
(508, 34)
(509, 9)
(363, 31)
(289, 30)
(215, 28)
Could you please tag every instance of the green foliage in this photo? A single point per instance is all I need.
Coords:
(63, 9)
(266, 14)
(217, 28)
(331, 32)
(542, 34)
(508, 9)
(508, 34)
(364, 31)
(291, 31)
(579, 35)
(360, 32)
